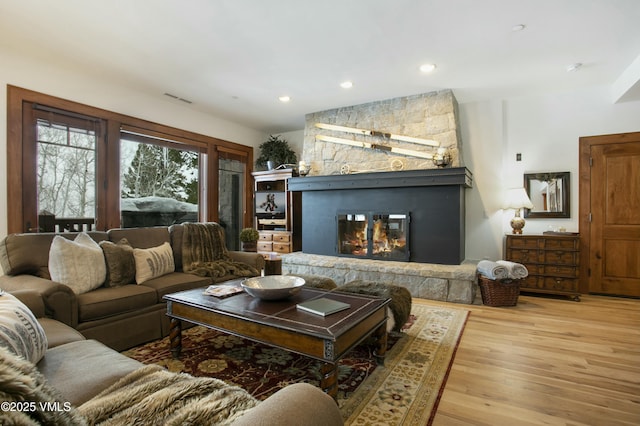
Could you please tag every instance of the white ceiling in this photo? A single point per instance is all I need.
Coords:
(234, 58)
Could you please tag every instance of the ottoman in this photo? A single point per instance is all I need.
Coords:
(400, 305)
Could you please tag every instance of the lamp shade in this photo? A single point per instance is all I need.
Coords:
(517, 198)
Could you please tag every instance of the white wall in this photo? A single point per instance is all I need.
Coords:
(41, 76)
(545, 129)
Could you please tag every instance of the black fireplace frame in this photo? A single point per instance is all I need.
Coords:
(435, 198)
(369, 215)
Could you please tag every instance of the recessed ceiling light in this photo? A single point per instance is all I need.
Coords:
(518, 27)
(346, 84)
(574, 67)
(284, 98)
(427, 68)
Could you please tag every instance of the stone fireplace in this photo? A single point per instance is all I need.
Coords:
(375, 206)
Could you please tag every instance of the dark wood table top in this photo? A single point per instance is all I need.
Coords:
(283, 314)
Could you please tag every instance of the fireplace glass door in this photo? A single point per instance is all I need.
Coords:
(374, 235)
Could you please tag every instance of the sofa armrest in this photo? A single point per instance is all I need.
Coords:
(60, 302)
(250, 258)
(32, 299)
(297, 404)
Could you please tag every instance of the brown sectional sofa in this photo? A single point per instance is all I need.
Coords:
(79, 369)
(120, 317)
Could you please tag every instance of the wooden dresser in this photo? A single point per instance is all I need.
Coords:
(552, 261)
(274, 241)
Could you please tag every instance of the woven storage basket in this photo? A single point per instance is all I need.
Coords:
(499, 293)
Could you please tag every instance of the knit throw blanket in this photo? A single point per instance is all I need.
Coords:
(204, 253)
(153, 395)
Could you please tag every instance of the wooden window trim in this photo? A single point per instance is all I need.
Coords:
(108, 207)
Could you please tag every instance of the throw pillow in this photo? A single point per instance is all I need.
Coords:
(121, 265)
(153, 262)
(20, 331)
(78, 264)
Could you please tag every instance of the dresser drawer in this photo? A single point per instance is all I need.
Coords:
(561, 284)
(265, 245)
(523, 242)
(523, 255)
(558, 285)
(282, 247)
(561, 244)
(560, 257)
(282, 237)
(266, 236)
(558, 270)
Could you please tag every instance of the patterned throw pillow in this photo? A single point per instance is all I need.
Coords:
(78, 264)
(20, 331)
(153, 262)
(121, 265)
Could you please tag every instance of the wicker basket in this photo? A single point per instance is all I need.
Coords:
(499, 293)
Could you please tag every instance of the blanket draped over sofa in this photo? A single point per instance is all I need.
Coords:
(204, 253)
(146, 396)
(153, 395)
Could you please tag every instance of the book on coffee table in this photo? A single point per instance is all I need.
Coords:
(323, 306)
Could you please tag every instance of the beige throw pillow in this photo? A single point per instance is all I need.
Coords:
(153, 262)
(20, 331)
(121, 266)
(78, 264)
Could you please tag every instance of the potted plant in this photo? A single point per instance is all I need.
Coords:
(249, 238)
(275, 151)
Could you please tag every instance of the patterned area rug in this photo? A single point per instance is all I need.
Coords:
(405, 391)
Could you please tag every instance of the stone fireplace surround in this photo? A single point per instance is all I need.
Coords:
(435, 201)
(430, 115)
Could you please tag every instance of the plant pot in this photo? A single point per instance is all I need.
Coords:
(250, 246)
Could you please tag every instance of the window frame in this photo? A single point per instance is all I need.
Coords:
(21, 147)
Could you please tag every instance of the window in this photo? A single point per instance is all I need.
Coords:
(77, 167)
(66, 174)
(158, 184)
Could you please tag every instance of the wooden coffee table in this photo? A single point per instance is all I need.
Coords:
(280, 324)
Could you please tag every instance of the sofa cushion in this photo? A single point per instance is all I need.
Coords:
(176, 281)
(58, 333)
(78, 264)
(20, 381)
(121, 265)
(80, 370)
(107, 301)
(146, 237)
(20, 331)
(29, 253)
(153, 262)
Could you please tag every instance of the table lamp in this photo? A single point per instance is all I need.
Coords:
(517, 198)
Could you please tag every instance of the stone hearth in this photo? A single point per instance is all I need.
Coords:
(449, 283)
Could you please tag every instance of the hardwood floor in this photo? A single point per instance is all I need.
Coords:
(547, 361)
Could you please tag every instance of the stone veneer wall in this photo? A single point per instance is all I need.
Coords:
(431, 115)
(449, 283)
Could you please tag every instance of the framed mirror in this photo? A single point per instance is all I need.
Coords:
(549, 194)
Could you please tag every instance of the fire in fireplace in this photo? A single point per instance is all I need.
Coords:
(374, 235)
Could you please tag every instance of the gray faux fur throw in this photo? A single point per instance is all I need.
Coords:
(205, 254)
(400, 304)
(152, 395)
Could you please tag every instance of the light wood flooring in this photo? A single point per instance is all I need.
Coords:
(547, 361)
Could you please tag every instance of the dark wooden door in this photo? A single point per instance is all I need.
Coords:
(613, 219)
